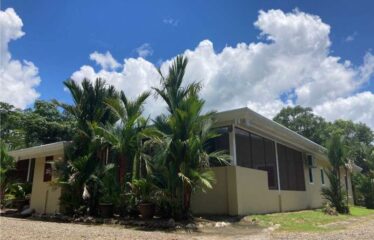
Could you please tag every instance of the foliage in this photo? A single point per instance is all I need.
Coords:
(334, 193)
(11, 130)
(81, 177)
(142, 189)
(303, 121)
(7, 163)
(88, 108)
(182, 161)
(125, 137)
(85, 179)
(42, 124)
(20, 190)
(366, 188)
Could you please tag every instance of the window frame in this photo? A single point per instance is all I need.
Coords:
(310, 174)
(322, 176)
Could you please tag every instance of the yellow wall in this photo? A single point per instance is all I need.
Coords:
(40, 189)
(242, 191)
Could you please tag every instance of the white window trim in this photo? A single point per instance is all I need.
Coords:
(322, 171)
(310, 169)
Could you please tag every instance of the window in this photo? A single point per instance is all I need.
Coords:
(22, 168)
(291, 169)
(243, 148)
(311, 175)
(220, 143)
(322, 177)
(48, 169)
(254, 151)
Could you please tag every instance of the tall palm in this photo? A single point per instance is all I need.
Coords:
(89, 105)
(125, 137)
(335, 193)
(183, 156)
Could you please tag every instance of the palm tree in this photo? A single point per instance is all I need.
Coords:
(88, 107)
(335, 193)
(183, 159)
(7, 163)
(125, 137)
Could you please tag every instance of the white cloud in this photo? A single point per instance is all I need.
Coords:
(144, 50)
(171, 21)
(359, 107)
(293, 65)
(351, 37)
(18, 79)
(106, 61)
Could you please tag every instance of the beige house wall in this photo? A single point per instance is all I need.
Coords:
(45, 195)
(243, 191)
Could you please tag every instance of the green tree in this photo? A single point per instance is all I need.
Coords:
(7, 163)
(11, 127)
(46, 124)
(125, 137)
(85, 154)
(303, 121)
(335, 193)
(183, 160)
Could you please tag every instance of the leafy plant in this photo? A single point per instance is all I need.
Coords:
(335, 193)
(143, 190)
(7, 163)
(181, 161)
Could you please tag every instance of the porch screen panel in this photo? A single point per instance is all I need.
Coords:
(291, 169)
(300, 184)
(271, 163)
(283, 166)
(220, 143)
(258, 152)
(243, 148)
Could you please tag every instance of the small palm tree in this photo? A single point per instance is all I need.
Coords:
(335, 193)
(88, 107)
(7, 163)
(86, 174)
(183, 160)
(125, 137)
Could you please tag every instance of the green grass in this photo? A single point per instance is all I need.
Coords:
(309, 220)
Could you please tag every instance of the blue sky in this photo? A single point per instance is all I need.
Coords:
(61, 35)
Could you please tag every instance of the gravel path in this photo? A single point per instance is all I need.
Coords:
(14, 228)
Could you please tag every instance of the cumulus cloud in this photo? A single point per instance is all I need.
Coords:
(359, 107)
(291, 64)
(18, 79)
(106, 61)
(144, 50)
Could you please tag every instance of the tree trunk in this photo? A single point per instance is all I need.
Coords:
(187, 198)
(122, 168)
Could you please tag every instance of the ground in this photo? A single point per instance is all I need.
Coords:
(15, 228)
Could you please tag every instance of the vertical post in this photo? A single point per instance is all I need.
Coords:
(232, 145)
(278, 177)
(28, 171)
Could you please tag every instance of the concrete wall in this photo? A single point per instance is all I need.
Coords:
(243, 191)
(45, 196)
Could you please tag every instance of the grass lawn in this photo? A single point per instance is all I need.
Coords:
(309, 220)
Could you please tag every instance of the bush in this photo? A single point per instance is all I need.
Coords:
(335, 194)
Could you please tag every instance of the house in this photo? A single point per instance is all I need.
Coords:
(35, 166)
(273, 169)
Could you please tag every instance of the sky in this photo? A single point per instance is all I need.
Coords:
(265, 55)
